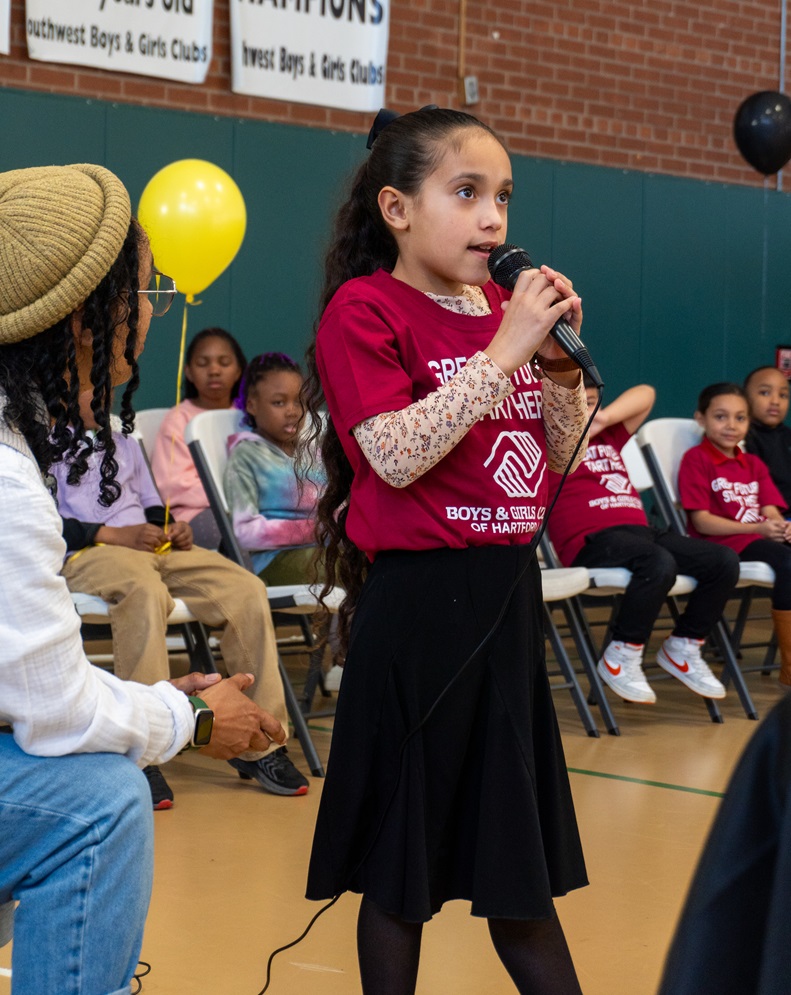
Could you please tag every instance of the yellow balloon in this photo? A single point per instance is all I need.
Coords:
(194, 214)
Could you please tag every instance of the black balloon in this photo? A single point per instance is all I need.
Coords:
(762, 129)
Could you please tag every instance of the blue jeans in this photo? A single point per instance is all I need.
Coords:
(76, 852)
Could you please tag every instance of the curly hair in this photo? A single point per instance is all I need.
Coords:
(40, 377)
(190, 390)
(403, 155)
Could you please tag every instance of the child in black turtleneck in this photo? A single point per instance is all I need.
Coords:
(769, 437)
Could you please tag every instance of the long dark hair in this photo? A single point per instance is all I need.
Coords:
(40, 378)
(190, 390)
(403, 155)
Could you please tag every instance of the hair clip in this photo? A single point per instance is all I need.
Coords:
(381, 121)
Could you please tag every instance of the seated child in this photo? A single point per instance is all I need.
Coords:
(768, 436)
(212, 372)
(599, 521)
(112, 554)
(731, 500)
(273, 512)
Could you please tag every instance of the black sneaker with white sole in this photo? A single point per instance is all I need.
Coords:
(274, 772)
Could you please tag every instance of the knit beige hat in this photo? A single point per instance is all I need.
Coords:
(61, 229)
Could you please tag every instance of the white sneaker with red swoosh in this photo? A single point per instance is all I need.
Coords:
(620, 669)
(681, 658)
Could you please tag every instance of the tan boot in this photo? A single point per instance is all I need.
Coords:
(782, 624)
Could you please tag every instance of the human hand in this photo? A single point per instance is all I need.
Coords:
(239, 724)
(146, 537)
(194, 682)
(540, 298)
(565, 289)
(775, 529)
(180, 534)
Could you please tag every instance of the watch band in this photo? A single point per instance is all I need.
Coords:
(565, 365)
(204, 722)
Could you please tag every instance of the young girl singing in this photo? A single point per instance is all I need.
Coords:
(730, 498)
(440, 431)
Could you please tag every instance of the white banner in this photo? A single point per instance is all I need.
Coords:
(167, 38)
(5, 27)
(327, 52)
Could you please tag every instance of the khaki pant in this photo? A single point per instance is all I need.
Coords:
(140, 588)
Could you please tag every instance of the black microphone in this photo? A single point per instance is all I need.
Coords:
(505, 263)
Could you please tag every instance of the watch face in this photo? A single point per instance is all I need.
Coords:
(204, 722)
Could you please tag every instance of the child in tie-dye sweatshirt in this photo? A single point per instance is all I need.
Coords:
(273, 512)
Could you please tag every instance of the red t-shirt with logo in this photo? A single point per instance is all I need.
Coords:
(598, 495)
(734, 487)
(382, 345)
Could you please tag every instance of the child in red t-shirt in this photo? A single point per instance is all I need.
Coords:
(730, 499)
(599, 521)
(446, 777)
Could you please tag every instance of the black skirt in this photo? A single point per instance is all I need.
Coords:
(476, 804)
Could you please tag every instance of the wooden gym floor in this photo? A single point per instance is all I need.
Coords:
(231, 863)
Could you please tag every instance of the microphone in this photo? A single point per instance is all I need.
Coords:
(505, 263)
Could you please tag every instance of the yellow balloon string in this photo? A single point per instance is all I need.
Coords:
(189, 300)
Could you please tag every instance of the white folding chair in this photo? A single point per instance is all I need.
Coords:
(207, 435)
(636, 467)
(559, 585)
(147, 424)
(663, 442)
(94, 611)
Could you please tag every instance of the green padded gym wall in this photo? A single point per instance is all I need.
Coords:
(682, 281)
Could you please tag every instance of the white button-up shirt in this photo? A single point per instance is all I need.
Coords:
(57, 702)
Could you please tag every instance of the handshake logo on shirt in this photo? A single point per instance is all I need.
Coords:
(749, 516)
(616, 483)
(515, 457)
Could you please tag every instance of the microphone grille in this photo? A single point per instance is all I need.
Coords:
(506, 262)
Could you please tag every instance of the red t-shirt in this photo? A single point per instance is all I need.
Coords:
(598, 495)
(733, 487)
(382, 345)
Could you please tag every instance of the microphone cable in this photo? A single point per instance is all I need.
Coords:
(534, 545)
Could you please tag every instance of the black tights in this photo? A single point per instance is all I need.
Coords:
(534, 952)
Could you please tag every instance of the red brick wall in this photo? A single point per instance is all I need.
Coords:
(637, 84)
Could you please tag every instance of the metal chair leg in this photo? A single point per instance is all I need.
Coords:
(570, 678)
(579, 633)
(720, 635)
(196, 639)
(301, 731)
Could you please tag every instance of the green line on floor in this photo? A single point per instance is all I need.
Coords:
(650, 784)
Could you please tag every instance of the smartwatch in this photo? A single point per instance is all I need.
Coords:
(204, 722)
